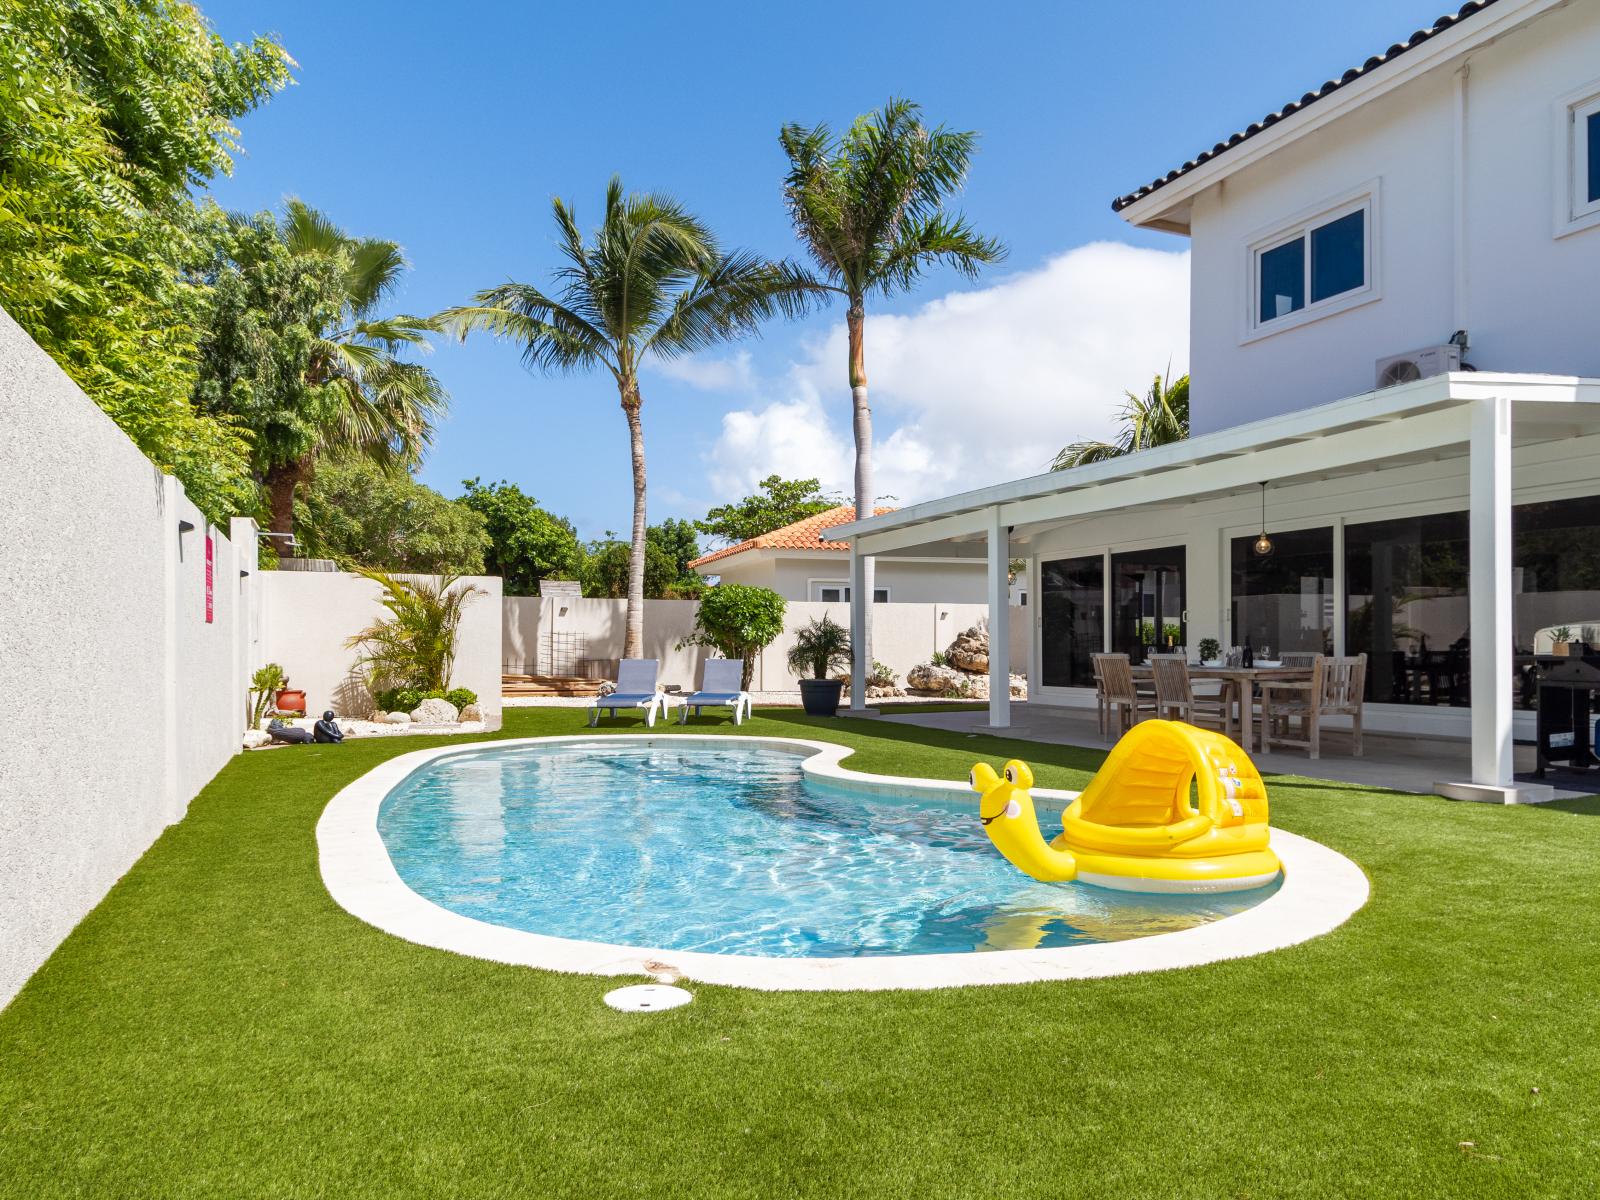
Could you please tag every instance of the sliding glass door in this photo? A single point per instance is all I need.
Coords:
(1147, 601)
(1284, 601)
(1072, 619)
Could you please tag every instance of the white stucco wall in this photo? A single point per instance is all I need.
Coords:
(904, 635)
(909, 582)
(1525, 295)
(307, 617)
(120, 701)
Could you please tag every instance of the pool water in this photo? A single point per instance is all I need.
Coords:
(731, 850)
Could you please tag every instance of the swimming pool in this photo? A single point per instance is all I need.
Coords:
(726, 846)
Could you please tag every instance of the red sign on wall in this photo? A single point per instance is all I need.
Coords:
(211, 562)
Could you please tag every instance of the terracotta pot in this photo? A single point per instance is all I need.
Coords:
(290, 700)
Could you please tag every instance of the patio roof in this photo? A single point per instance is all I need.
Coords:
(1413, 422)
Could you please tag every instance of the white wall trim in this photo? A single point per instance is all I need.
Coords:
(1574, 212)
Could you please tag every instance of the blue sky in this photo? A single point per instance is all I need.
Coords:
(449, 127)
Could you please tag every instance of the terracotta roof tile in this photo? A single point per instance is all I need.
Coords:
(802, 535)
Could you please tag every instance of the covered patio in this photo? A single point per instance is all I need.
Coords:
(1374, 502)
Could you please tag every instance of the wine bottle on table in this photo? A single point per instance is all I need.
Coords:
(1249, 654)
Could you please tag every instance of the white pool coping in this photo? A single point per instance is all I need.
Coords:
(1321, 890)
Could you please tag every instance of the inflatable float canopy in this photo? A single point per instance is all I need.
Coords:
(1173, 809)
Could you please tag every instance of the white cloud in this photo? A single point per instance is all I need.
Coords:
(732, 373)
(977, 386)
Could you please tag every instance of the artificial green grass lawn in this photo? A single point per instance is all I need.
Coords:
(218, 1027)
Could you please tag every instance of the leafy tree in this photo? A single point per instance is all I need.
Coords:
(780, 502)
(109, 111)
(869, 207)
(652, 281)
(1158, 418)
(610, 563)
(360, 515)
(738, 621)
(526, 543)
(678, 539)
(296, 350)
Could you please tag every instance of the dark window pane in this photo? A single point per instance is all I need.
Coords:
(1338, 256)
(1593, 122)
(1408, 608)
(1283, 280)
(1072, 608)
(1285, 601)
(1147, 601)
(1555, 582)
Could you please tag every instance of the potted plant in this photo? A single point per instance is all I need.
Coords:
(1561, 641)
(820, 646)
(288, 699)
(1210, 650)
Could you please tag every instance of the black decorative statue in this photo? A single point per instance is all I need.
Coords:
(327, 730)
(292, 734)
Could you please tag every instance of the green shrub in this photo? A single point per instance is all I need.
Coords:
(461, 697)
(404, 699)
(739, 621)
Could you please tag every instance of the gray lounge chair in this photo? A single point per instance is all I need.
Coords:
(636, 688)
(721, 687)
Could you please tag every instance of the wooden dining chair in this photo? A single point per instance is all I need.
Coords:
(1102, 706)
(1126, 705)
(1176, 699)
(1299, 658)
(1335, 689)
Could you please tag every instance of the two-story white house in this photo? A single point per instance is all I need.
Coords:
(1395, 354)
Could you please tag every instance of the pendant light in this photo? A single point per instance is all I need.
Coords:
(1263, 546)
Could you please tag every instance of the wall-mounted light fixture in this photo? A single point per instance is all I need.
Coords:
(1263, 546)
(185, 526)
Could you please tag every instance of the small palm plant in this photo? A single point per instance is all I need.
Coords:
(1158, 418)
(820, 646)
(414, 647)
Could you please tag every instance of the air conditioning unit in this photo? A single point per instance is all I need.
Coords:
(1418, 364)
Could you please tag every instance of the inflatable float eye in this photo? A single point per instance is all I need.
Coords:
(1011, 774)
(1018, 774)
(972, 779)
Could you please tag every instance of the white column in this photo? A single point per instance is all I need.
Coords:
(999, 623)
(1489, 582)
(860, 597)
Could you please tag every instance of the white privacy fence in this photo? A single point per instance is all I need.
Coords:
(547, 635)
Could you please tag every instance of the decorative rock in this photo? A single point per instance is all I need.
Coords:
(942, 681)
(970, 651)
(397, 718)
(434, 712)
(471, 712)
(877, 691)
(254, 738)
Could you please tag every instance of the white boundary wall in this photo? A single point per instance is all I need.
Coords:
(307, 616)
(120, 700)
(903, 635)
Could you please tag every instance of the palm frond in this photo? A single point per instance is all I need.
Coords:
(1160, 417)
(731, 300)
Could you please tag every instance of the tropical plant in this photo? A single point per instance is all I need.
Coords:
(869, 208)
(415, 646)
(779, 502)
(109, 113)
(526, 543)
(652, 282)
(738, 621)
(1157, 418)
(264, 685)
(296, 349)
(360, 515)
(820, 645)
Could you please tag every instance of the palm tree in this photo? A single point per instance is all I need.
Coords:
(653, 281)
(869, 208)
(387, 405)
(1158, 418)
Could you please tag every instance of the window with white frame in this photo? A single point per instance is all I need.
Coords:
(838, 592)
(1584, 122)
(1312, 267)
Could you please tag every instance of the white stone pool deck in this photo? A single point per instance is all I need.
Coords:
(1320, 891)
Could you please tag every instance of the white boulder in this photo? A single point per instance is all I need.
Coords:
(396, 718)
(434, 712)
(254, 738)
(471, 712)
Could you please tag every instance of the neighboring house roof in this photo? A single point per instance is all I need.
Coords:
(802, 535)
(1327, 89)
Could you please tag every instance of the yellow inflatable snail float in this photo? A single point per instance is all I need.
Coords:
(1174, 809)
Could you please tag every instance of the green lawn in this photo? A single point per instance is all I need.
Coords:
(217, 1027)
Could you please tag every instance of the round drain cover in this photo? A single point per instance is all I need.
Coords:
(647, 997)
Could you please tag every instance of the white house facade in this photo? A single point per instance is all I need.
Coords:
(1429, 222)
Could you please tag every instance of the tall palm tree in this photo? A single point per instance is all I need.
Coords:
(869, 208)
(651, 282)
(1157, 418)
(386, 405)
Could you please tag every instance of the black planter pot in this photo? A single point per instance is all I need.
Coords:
(820, 697)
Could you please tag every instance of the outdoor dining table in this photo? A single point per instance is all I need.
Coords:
(1239, 683)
